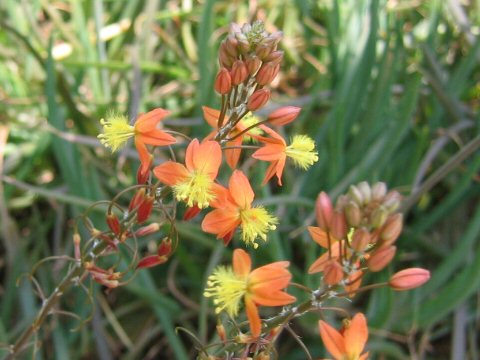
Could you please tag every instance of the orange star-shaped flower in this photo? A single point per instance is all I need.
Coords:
(262, 286)
(194, 181)
(234, 208)
(349, 343)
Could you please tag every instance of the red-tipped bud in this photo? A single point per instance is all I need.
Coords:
(360, 240)
(392, 229)
(191, 212)
(151, 261)
(239, 72)
(223, 82)
(165, 247)
(143, 172)
(339, 225)
(113, 223)
(253, 63)
(137, 199)
(409, 279)
(147, 230)
(324, 211)
(258, 99)
(283, 116)
(333, 272)
(381, 258)
(275, 57)
(145, 209)
(266, 74)
(353, 214)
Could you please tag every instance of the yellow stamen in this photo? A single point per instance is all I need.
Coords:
(248, 121)
(302, 151)
(195, 190)
(116, 131)
(227, 289)
(256, 222)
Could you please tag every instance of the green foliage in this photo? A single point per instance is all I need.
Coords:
(389, 90)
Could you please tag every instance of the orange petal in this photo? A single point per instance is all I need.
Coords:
(276, 138)
(279, 169)
(240, 189)
(143, 154)
(319, 236)
(272, 298)
(233, 155)
(356, 335)
(269, 152)
(222, 197)
(171, 173)
(156, 137)
(242, 264)
(220, 222)
(148, 121)
(253, 317)
(192, 148)
(208, 158)
(332, 340)
(271, 170)
(211, 116)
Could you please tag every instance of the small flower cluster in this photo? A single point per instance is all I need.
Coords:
(358, 233)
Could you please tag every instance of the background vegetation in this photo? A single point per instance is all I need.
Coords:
(389, 89)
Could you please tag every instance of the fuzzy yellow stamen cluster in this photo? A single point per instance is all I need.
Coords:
(248, 121)
(116, 131)
(227, 289)
(195, 190)
(256, 222)
(302, 151)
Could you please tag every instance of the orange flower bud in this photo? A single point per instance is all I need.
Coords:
(147, 230)
(333, 272)
(381, 258)
(409, 279)
(275, 57)
(339, 225)
(113, 223)
(143, 171)
(151, 261)
(239, 72)
(392, 229)
(137, 199)
(258, 99)
(225, 60)
(221, 332)
(353, 214)
(263, 51)
(165, 247)
(284, 115)
(231, 46)
(324, 211)
(223, 82)
(145, 209)
(361, 239)
(253, 63)
(266, 74)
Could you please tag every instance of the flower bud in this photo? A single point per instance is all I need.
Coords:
(151, 261)
(225, 60)
(324, 211)
(137, 199)
(381, 258)
(266, 74)
(355, 195)
(339, 225)
(143, 172)
(253, 63)
(262, 51)
(392, 201)
(378, 217)
(409, 279)
(283, 116)
(223, 82)
(392, 229)
(191, 212)
(165, 247)
(360, 239)
(333, 272)
(366, 191)
(147, 230)
(258, 99)
(239, 72)
(76, 245)
(275, 57)
(221, 332)
(145, 209)
(379, 190)
(113, 223)
(231, 44)
(353, 282)
(353, 214)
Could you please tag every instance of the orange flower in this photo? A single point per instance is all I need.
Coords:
(194, 181)
(262, 286)
(349, 343)
(117, 130)
(234, 208)
(233, 155)
(276, 151)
